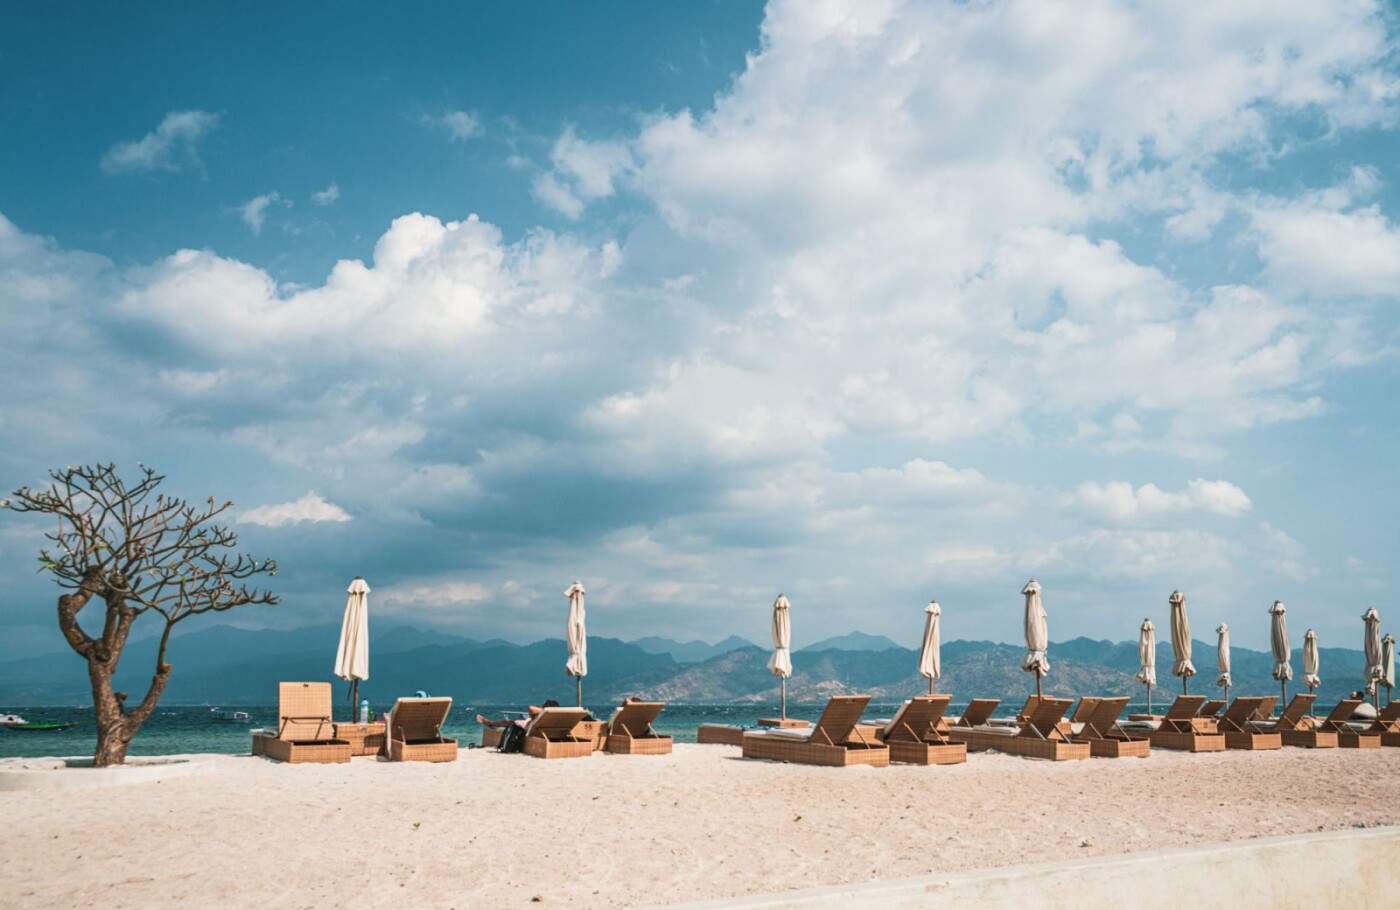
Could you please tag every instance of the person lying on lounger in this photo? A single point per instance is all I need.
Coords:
(522, 720)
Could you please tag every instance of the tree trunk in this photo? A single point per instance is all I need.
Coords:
(113, 732)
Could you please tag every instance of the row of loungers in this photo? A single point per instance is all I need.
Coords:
(920, 734)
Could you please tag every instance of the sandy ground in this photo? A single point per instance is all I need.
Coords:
(613, 831)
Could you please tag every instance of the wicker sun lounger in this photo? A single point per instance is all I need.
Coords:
(305, 733)
(415, 730)
(1296, 727)
(1039, 737)
(1240, 733)
(1181, 729)
(554, 733)
(915, 735)
(1388, 725)
(834, 740)
(1100, 730)
(1348, 736)
(630, 731)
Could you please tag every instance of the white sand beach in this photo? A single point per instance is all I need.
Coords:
(618, 831)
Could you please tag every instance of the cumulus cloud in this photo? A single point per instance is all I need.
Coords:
(254, 211)
(583, 172)
(459, 125)
(1120, 501)
(171, 146)
(328, 196)
(309, 508)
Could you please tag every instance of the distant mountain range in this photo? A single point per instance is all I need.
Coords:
(227, 666)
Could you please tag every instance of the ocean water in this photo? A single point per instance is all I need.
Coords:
(177, 729)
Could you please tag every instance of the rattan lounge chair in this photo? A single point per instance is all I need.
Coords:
(1212, 708)
(1240, 733)
(415, 730)
(1296, 728)
(1182, 730)
(1100, 730)
(1349, 735)
(630, 731)
(305, 733)
(1039, 737)
(834, 740)
(554, 733)
(1387, 724)
(915, 735)
(978, 713)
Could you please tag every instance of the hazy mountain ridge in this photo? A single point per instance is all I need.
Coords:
(230, 666)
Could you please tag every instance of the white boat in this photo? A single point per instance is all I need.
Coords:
(11, 720)
(228, 717)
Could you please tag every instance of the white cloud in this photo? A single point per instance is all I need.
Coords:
(1119, 501)
(254, 211)
(328, 196)
(310, 507)
(442, 594)
(171, 146)
(459, 125)
(583, 172)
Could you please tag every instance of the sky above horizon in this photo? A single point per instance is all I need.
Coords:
(867, 303)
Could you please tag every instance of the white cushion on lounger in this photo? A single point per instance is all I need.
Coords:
(898, 715)
(799, 734)
(1139, 725)
(1000, 729)
(1075, 728)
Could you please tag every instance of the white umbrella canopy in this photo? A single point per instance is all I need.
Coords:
(1278, 640)
(780, 664)
(1222, 658)
(1181, 640)
(1372, 647)
(1388, 664)
(352, 657)
(1147, 659)
(1037, 634)
(1311, 661)
(930, 658)
(577, 665)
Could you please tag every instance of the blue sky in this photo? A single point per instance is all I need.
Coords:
(699, 302)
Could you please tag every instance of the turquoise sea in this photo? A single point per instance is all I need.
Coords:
(176, 729)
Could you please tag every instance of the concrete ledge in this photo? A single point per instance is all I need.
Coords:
(79, 774)
(1356, 870)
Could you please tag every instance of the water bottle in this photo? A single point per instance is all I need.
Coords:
(364, 711)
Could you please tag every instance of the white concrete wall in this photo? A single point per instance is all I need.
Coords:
(1355, 870)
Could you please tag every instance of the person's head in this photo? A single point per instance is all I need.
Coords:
(550, 703)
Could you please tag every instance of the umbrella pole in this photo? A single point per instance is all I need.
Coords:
(930, 685)
(1037, 684)
(1183, 686)
(578, 691)
(1283, 693)
(1149, 698)
(783, 706)
(354, 698)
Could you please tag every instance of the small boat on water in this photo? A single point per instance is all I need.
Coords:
(39, 725)
(10, 720)
(228, 717)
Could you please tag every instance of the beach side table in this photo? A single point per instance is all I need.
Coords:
(786, 722)
(364, 739)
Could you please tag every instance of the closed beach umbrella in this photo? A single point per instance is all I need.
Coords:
(352, 658)
(780, 664)
(1372, 643)
(1181, 640)
(1278, 639)
(577, 667)
(1311, 663)
(1147, 658)
(930, 662)
(1222, 658)
(1388, 664)
(1037, 634)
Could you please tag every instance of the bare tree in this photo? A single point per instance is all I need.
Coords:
(139, 552)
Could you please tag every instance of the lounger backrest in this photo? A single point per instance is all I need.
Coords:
(1390, 714)
(1032, 702)
(555, 723)
(1185, 707)
(1042, 722)
(1105, 715)
(635, 720)
(1292, 716)
(1212, 707)
(1266, 708)
(1084, 710)
(978, 712)
(304, 711)
(1240, 711)
(917, 719)
(839, 719)
(1342, 713)
(418, 718)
